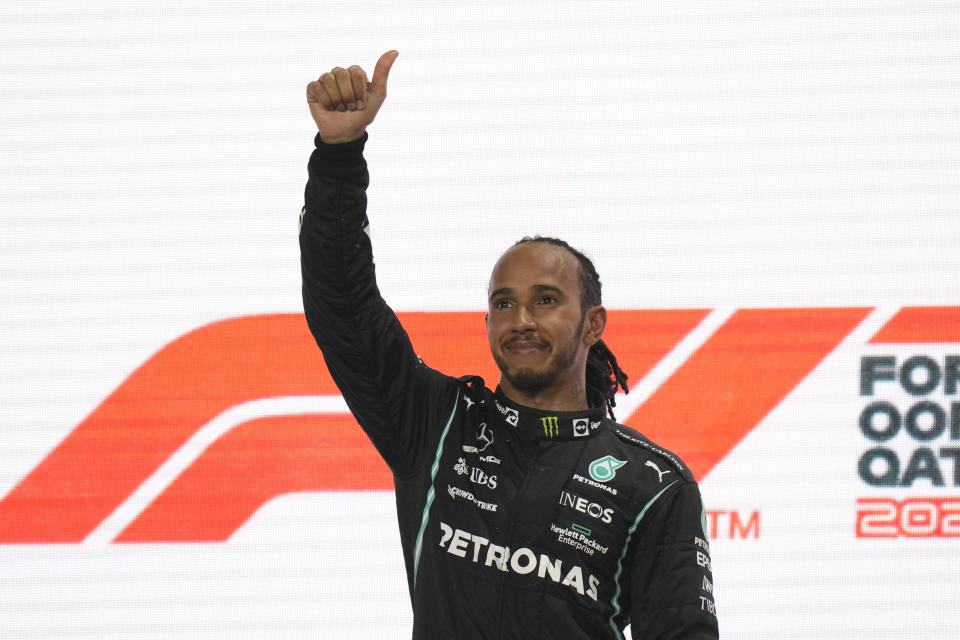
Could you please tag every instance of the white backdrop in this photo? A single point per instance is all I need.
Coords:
(708, 155)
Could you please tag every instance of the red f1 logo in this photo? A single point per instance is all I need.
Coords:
(235, 413)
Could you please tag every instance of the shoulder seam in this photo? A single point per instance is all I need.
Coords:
(650, 446)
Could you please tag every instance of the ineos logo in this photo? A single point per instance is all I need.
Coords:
(592, 509)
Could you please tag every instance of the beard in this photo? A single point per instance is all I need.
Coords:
(529, 380)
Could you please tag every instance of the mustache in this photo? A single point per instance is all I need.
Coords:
(526, 338)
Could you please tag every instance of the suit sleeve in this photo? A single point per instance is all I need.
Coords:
(395, 397)
(671, 578)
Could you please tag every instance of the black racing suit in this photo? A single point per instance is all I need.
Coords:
(516, 523)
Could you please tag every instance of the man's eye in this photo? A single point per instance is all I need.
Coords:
(546, 300)
(501, 304)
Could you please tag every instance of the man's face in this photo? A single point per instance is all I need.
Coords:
(535, 324)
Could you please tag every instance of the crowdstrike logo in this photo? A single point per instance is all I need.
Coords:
(605, 469)
(457, 492)
(167, 453)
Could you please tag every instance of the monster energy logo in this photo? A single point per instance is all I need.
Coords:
(551, 426)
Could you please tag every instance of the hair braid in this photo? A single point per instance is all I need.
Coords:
(603, 376)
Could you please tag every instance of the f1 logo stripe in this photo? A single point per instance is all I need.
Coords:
(916, 325)
(254, 463)
(254, 452)
(75, 490)
(736, 377)
(708, 403)
(643, 387)
(152, 414)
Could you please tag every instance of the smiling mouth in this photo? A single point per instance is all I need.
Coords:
(523, 347)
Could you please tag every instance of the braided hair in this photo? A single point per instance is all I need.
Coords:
(603, 376)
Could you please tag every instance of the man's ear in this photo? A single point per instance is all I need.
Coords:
(486, 319)
(593, 325)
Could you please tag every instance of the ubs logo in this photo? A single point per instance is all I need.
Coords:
(477, 475)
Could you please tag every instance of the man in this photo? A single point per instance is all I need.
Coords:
(524, 512)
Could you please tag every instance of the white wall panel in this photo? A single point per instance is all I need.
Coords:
(716, 155)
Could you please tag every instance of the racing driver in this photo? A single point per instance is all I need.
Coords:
(525, 511)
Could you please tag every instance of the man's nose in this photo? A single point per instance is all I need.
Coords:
(524, 319)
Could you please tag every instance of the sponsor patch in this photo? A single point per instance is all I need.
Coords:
(457, 492)
(605, 469)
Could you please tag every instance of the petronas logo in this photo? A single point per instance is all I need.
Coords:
(605, 468)
(551, 426)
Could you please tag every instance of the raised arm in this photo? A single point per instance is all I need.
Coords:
(394, 397)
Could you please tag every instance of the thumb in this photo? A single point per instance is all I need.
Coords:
(382, 70)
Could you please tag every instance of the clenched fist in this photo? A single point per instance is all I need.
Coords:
(343, 103)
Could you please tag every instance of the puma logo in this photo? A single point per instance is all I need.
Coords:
(660, 474)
